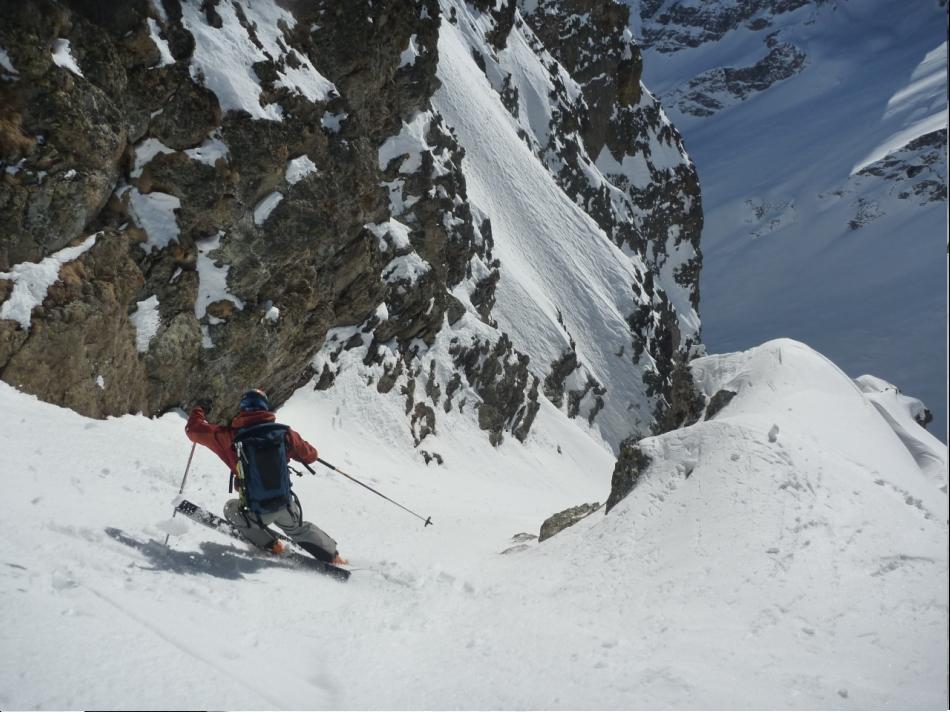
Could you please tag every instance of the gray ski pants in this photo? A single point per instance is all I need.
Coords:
(290, 519)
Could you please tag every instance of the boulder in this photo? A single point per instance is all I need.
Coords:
(567, 518)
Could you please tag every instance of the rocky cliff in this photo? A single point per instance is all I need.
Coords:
(267, 193)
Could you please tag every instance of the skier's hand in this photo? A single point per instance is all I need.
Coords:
(206, 404)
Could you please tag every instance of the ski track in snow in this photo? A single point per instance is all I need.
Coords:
(804, 566)
(187, 649)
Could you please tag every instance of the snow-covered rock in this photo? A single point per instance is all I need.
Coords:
(147, 320)
(777, 384)
(32, 280)
(237, 36)
(62, 57)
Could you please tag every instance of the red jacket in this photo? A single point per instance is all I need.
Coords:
(220, 438)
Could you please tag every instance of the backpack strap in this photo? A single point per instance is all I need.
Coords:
(257, 430)
(299, 518)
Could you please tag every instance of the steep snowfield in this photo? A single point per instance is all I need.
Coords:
(795, 242)
(788, 552)
(553, 256)
(563, 283)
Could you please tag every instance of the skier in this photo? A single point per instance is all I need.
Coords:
(256, 449)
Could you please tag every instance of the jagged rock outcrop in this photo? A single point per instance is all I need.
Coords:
(670, 25)
(719, 401)
(500, 377)
(63, 136)
(915, 172)
(81, 349)
(719, 88)
(243, 216)
(562, 520)
(631, 463)
(683, 407)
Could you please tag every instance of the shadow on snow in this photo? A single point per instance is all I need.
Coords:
(214, 559)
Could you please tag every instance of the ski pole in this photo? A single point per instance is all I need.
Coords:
(427, 520)
(183, 479)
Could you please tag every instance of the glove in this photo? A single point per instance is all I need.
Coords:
(206, 404)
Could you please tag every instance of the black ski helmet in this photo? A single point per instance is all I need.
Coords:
(254, 399)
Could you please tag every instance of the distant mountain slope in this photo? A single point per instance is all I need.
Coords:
(819, 133)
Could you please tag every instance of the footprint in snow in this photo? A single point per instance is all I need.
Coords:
(62, 580)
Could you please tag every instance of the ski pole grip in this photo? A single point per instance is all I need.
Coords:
(322, 462)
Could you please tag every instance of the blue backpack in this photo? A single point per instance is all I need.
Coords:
(262, 459)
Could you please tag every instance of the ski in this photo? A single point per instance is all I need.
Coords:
(213, 521)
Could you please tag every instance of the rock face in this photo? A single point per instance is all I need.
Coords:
(81, 347)
(719, 401)
(275, 203)
(670, 26)
(714, 90)
(568, 518)
(631, 463)
(174, 160)
(915, 173)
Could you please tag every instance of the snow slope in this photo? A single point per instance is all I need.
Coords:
(797, 243)
(564, 283)
(789, 552)
(554, 257)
